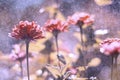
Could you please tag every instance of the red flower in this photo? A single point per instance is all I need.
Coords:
(110, 46)
(55, 24)
(27, 30)
(80, 17)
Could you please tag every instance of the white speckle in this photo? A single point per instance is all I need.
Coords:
(41, 10)
(72, 55)
(102, 50)
(93, 78)
(39, 72)
(50, 78)
(101, 32)
(72, 77)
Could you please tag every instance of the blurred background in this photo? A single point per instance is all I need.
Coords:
(106, 25)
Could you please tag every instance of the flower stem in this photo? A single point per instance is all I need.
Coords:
(82, 46)
(27, 56)
(116, 69)
(81, 36)
(56, 41)
(21, 69)
(112, 67)
(55, 33)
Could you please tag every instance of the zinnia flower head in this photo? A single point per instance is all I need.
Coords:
(82, 17)
(110, 46)
(54, 24)
(27, 30)
(17, 54)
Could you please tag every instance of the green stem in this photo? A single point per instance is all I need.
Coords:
(27, 56)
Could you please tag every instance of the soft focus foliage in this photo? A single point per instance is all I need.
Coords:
(103, 2)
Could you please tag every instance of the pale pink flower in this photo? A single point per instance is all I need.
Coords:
(110, 46)
(80, 17)
(55, 24)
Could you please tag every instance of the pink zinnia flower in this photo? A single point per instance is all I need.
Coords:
(54, 24)
(110, 46)
(27, 30)
(80, 17)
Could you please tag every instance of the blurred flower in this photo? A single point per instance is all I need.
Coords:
(56, 25)
(84, 18)
(17, 54)
(27, 30)
(73, 70)
(110, 46)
